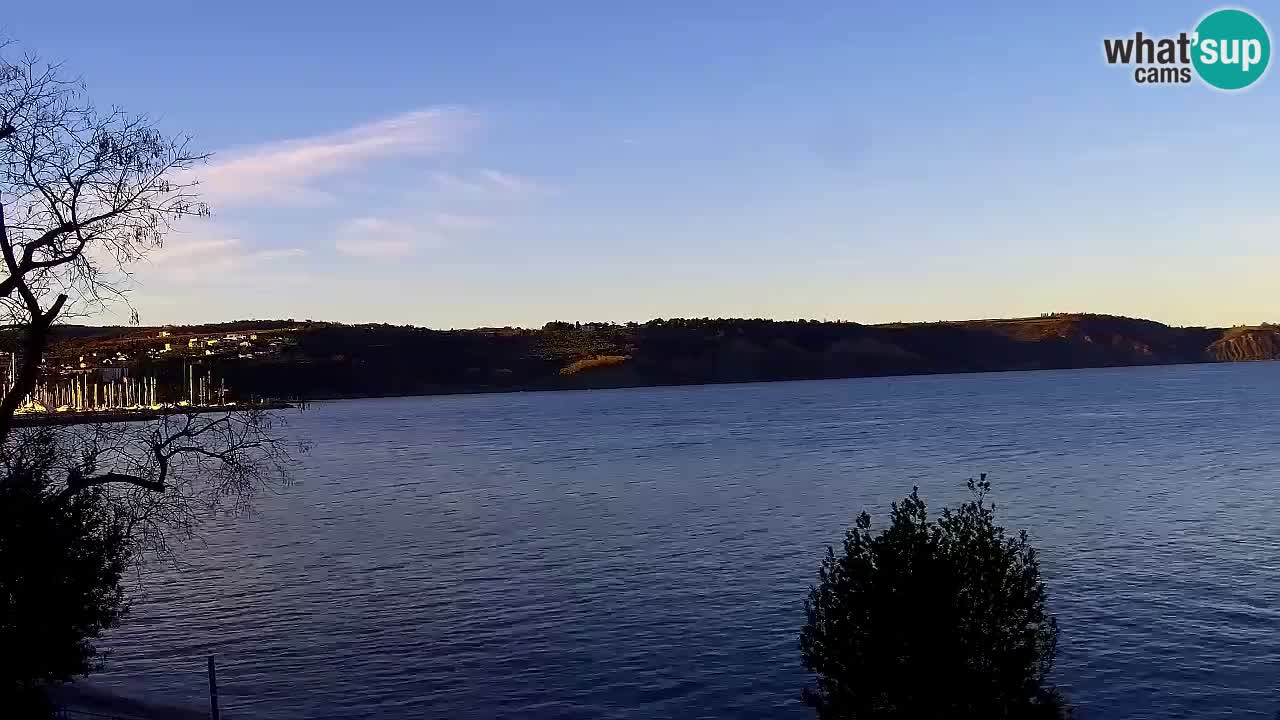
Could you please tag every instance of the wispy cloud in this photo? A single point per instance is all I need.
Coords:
(177, 250)
(292, 171)
(372, 237)
(186, 259)
(488, 182)
(509, 182)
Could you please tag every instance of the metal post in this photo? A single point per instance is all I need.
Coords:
(213, 692)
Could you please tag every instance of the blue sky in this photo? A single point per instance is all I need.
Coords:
(482, 163)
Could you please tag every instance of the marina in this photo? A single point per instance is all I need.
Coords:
(84, 399)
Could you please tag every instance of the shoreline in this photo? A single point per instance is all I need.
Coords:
(145, 414)
(539, 388)
(88, 417)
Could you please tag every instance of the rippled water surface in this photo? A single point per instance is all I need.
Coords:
(645, 553)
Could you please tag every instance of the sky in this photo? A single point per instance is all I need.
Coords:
(512, 163)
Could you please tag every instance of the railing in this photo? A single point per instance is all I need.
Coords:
(69, 710)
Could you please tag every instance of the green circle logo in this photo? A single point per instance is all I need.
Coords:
(1232, 49)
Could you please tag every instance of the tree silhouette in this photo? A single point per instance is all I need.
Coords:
(931, 619)
(85, 192)
(60, 586)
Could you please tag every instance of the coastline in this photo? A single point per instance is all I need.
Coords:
(88, 417)
(535, 387)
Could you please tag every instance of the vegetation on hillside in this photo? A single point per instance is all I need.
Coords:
(593, 363)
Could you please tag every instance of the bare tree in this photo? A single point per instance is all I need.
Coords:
(85, 192)
(168, 474)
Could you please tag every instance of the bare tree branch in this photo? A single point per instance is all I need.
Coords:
(168, 473)
(83, 192)
(77, 482)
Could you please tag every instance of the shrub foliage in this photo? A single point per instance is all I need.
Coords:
(62, 559)
(931, 619)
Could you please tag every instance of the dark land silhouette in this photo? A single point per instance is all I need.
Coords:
(329, 360)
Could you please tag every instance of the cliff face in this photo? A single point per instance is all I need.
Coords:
(1247, 344)
(328, 360)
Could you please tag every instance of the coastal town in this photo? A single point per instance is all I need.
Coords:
(141, 374)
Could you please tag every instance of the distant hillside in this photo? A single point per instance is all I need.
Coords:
(314, 359)
(1239, 344)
